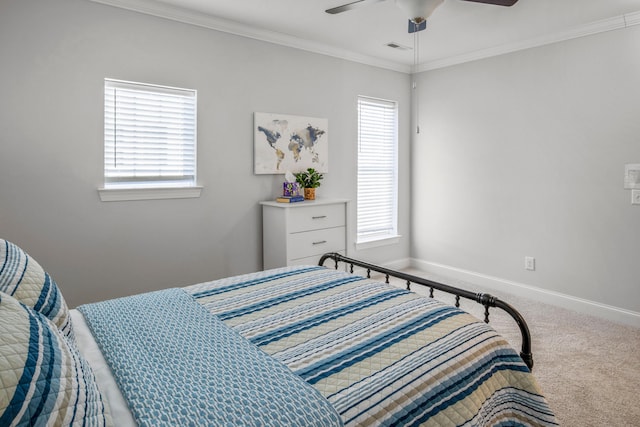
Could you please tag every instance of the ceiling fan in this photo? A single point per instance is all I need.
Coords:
(417, 10)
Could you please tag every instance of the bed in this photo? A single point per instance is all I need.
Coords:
(309, 345)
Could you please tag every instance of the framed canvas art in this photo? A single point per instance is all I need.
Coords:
(283, 142)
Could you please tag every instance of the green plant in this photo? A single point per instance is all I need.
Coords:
(309, 178)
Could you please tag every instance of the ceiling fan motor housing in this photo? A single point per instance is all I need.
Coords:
(418, 10)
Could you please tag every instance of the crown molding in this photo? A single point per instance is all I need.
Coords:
(615, 23)
(162, 10)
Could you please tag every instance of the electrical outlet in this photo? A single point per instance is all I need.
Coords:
(635, 197)
(529, 263)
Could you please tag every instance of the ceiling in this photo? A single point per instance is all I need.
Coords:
(458, 31)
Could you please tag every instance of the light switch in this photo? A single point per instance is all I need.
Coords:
(632, 175)
(635, 197)
(529, 263)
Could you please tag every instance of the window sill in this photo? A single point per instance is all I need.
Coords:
(381, 241)
(122, 194)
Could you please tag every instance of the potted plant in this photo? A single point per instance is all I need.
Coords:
(310, 180)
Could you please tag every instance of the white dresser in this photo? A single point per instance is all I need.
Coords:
(299, 233)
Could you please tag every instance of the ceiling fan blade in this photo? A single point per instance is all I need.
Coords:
(350, 6)
(496, 2)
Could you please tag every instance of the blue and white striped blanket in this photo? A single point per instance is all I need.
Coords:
(379, 354)
(177, 365)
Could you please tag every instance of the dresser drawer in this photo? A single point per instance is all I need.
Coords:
(316, 243)
(306, 218)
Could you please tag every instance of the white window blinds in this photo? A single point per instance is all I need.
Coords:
(149, 135)
(377, 177)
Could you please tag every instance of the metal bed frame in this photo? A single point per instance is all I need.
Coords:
(487, 300)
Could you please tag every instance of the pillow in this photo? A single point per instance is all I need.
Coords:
(23, 278)
(43, 379)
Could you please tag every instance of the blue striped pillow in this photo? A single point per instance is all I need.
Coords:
(45, 381)
(23, 278)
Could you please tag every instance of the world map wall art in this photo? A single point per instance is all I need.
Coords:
(284, 143)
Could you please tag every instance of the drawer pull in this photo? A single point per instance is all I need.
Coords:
(318, 217)
(321, 242)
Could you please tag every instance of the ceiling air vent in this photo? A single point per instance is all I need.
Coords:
(398, 46)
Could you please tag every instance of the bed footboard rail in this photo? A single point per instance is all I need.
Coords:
(485, 299)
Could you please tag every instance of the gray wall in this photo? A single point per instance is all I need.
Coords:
(55, 56)
(523, 155)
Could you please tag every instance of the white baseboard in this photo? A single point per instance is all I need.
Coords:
(615, 314)
(398, 264)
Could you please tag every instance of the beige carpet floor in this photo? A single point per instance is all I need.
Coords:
(587, 367)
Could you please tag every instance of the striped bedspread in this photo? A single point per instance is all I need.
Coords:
(379, 354)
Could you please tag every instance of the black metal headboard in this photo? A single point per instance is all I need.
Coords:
(484, 299)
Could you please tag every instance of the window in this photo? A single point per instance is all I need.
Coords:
(149, 136)
(377, 165)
